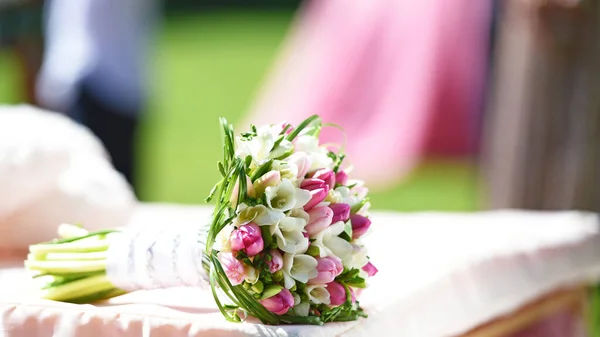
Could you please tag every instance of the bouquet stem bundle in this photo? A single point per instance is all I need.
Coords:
(73, 268)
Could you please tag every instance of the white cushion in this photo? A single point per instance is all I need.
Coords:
(53, 170)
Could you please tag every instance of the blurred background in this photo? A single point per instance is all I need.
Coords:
(436, 96)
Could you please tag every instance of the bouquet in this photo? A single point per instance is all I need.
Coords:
(283, 245)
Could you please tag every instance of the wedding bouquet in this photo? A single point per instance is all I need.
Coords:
(284, 243)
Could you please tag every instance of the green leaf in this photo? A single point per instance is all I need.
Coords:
(358, 206)
(338, 162)
(261, 170)
(266, 235)
(221, 169)
(308, 320)
(356, 282)
(307, 122)
(313, 251)
(347, 233)
(270, 291)
(213, 191)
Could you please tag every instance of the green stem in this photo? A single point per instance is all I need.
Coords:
(65, 267)
(70, 247)
(78, 289)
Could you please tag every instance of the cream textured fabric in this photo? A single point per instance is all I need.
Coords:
(51, 171)
(440, 275)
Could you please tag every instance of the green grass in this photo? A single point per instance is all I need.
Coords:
(211, 65)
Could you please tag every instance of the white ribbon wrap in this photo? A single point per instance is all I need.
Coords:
(152, 259)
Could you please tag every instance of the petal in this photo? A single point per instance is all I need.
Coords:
(336, 228)
(290, 224)
(302, 197)
(288, 281)
(339, 247)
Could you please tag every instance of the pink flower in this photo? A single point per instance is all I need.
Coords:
(337, 293)
(302, 162)
(248, 238)
(271, 178)
(327, 176)
(318, 190)
(341, 212)
(341, 178)
(276, 262)
(329, 268)
(370, 269)
(234, 269)
(319, 219)
(279, 304)
(236, 190)
(360, 225)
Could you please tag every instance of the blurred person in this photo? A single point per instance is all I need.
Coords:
(404, 78)
(94, 69)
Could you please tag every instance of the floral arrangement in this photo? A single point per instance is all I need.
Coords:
(284, 243)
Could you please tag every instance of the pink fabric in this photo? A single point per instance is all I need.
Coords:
(562, 324)
(401, 77)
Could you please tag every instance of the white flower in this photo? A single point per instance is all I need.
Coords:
(301, 309)
(286, 169)
(330, 244)
(335, 197)
(251, 274)
(285, 196)
(259, 146)
(288, 232)
(284, 147)
(292, 242)
(259, 214)
(298, 267)
(317, 294)
(302, 162)
(357, 259)
(262, 146)
(318, 155)
(358, 188)
(222, 243)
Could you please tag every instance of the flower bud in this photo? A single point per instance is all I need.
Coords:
(318, 190)
(327, 175)
(271, 178)
(247, 238)
(319, 219)
(279, 304)
(337, 293)
(328, 269)
(341, 178)
(341, 212)
(258, 287)
(276, 262)
(302, 162)
(360, 225)
(236, 190)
